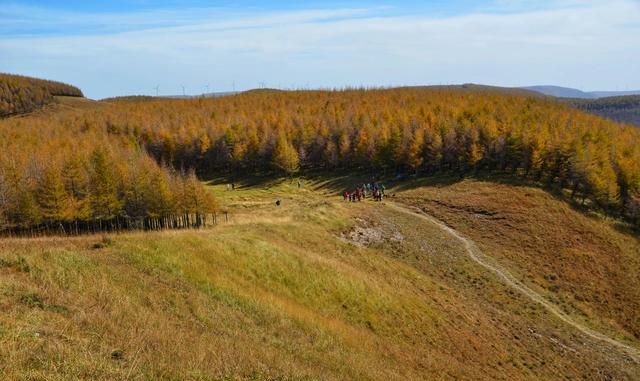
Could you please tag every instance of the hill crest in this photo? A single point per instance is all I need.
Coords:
(21, 94)
(567, 92)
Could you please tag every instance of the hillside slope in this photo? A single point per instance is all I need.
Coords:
(583, 264)
(561, 92)
(484, 89)
(624, 109)
(567, 92)
(19, 94)
(316, 289)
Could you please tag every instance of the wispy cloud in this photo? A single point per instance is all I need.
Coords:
(29, 21)
(582, 44)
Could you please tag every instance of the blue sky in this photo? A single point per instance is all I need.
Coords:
(129, 47)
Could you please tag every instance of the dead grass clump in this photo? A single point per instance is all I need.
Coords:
(104, 243)
(32, 300)
(20, 264)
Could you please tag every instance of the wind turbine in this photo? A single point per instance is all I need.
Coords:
(184, 94)
(157, 89)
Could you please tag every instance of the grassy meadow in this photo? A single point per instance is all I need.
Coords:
(320, 289)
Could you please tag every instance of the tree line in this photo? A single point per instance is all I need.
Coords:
(57, 179)
(419, 130)
(19, 94)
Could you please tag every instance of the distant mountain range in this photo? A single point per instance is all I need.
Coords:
(566, 92)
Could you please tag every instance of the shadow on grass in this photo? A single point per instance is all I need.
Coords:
(346, 180)
(627, 228)
(338, 181)
(342, 181)
(246, 180)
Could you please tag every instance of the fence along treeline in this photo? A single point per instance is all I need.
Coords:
(58, 179)
(19, 94)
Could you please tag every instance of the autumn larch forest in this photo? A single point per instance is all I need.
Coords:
(131, 160)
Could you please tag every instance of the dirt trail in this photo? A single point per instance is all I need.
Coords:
(477, 256)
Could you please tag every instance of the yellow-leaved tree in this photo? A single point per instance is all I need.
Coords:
(285, 157)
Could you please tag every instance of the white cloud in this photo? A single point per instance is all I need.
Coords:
(592, 45)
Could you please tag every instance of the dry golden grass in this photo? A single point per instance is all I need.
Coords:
(280, 293)
(582, 263)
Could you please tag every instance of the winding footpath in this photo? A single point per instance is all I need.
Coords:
(478, 257)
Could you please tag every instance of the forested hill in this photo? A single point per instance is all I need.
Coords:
(59, 169)
(19, 94)
(624, 109)
(419, 130)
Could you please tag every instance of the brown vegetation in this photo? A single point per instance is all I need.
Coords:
(581, 263)
(277, 294)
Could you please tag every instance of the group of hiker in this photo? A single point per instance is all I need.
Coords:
(374, 190)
